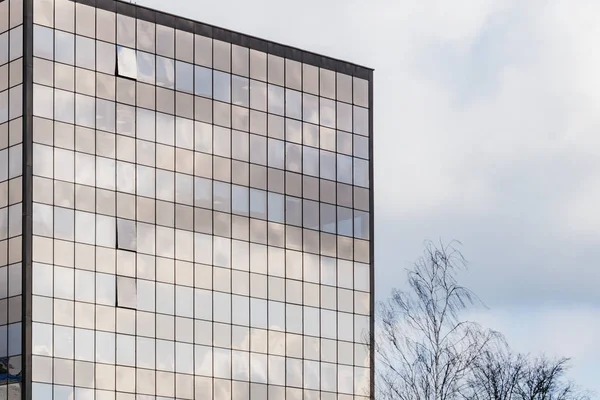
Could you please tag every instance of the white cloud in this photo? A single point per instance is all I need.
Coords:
(450, 119)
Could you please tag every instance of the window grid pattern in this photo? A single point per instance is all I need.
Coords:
(200, 217)
(11, 187)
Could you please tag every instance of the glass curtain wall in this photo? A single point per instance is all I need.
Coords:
(201, 216)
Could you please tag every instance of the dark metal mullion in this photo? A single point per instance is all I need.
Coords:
(353, 288)
(115, 194)
(230, 211)
(354, 341)
(319, 230)
(194, 212)
(27, 201)
(74, 183)
(212, 208)
(135, 222)
(54, 177)
(174, 216)
(285, 302)
(155, 86)
(302, 219)
(248, 133)
(8, 205)
(267, 220)
(337, 255)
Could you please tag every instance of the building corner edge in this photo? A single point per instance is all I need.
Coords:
(371, 242)
(26, 340)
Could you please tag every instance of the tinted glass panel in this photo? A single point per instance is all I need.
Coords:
(127, 62)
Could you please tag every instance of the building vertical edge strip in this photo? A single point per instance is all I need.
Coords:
(371, 242)
(26, 342)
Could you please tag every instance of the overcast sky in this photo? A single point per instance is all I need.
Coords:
(487, 130)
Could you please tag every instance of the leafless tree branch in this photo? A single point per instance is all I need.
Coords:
(425, 351)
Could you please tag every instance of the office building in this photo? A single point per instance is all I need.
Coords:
(185, 211)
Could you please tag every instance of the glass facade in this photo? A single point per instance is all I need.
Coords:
(200, 218)
(11, 199)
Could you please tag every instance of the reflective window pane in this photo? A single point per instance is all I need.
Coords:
(361, 172)
(43, 43)
(64, 46)
(361, 224)
(105, 289)
(361, 147)
(85, 54)
(276, 99)
(344, 169)
(146, 71)
(203, 81)
(185, 77)
(127, 62)
(145, 35)
(126, 292)
(222, 86)
(165, 72)
(240, 91)
(165, 41)
(361, 121)
(310, 110)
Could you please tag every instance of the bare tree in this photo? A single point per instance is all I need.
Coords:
(500, 375)
(544, 379)
(424, 350)
(495, 375)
